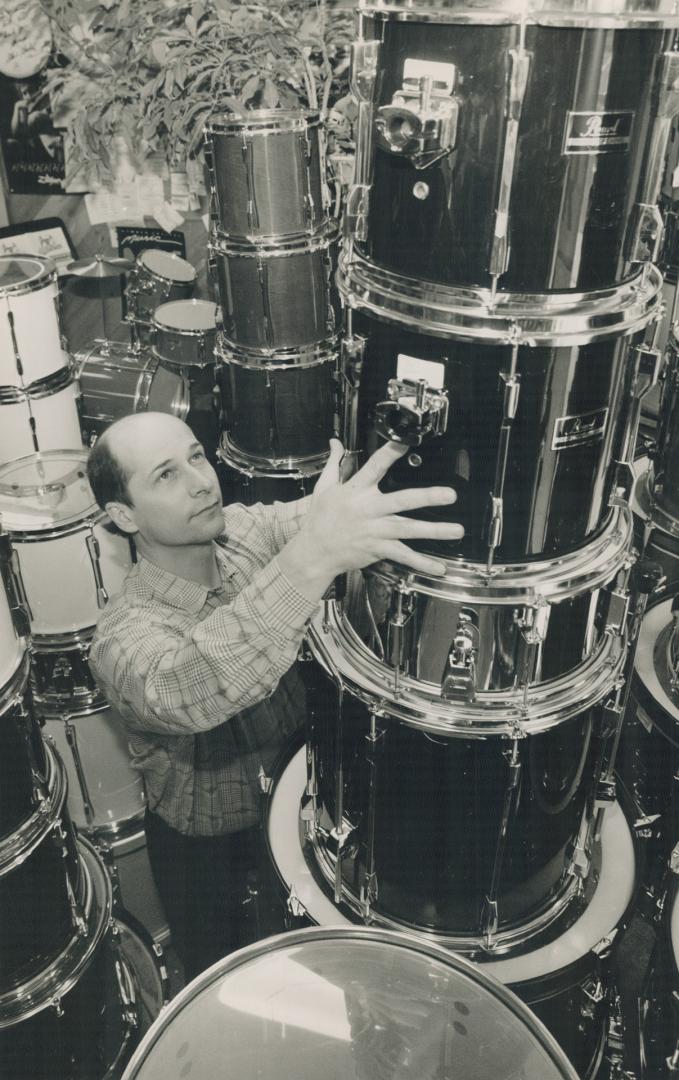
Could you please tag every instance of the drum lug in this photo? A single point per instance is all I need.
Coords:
(294, 904)
(400, 629)
(55, 1004)
(363, 74)
(368, 894)
(413, 411)
(265, 782)
(489, 923)
(352, 355)
(594, 994)
(72, 740)
(518, 81)
(94, 552)
(10, 575)
(459, 676)
(618, 610)
(421, 121)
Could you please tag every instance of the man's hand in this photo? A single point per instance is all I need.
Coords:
(348, 526)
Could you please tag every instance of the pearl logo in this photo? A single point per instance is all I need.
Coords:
(597, 132)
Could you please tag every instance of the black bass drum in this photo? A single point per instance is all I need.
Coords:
(504, 148)
(565, 981)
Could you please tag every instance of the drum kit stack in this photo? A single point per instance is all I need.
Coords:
(272, 254)
(38, 393)
(502, 304)
(80, 980)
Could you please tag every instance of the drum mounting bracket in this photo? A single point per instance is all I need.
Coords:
(413, 411)
(420, 123)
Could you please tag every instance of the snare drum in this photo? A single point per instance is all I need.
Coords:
(658, 1006)
(276, 295)
(279, 407)
(105, 793)
(535, 466)
(158, 276)
(423, 844)
(31, 347)
(84, 1013)
(349, 1001)
(43, 417)
(43, 889)
(505, 147)
(267, 172)
(67, 562)
(564, 980)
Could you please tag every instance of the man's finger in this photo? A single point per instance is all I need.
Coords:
(397, 502)
(414, 529)
(330, 476)
(378, 464)
(424, 564)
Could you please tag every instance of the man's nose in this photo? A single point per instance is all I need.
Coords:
(197, 480)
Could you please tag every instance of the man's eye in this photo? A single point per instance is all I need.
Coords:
(199, 454)
(165, 474)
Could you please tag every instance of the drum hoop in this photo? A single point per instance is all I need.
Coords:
(305, 356)
(365, 934)
(411, 11)
(80, 640)
(12, 692)
(543, 707)
(22, 536)
(152, 946)
(179, 331)
(264, 122)
(644, 505)
(512, 318)
(163, 277)
(289, 468)
(528, 584)
(62, 974)
(270, 248)
(104, 354)
(45, 276)
(16, 848)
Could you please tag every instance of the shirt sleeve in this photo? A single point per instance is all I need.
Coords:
(164, 680)
(273, 525)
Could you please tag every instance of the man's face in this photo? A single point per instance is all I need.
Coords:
(175, 494)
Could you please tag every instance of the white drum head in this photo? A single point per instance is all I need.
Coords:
(186, 315)
(341, 1004)
(45, 491)
(657, 619)
(167, 265)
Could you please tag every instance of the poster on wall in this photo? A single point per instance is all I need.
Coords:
(32, 148)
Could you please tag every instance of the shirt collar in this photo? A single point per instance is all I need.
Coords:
(158, 584)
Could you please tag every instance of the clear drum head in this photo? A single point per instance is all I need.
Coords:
(339, 1003)
(167, 265)
(42, 492)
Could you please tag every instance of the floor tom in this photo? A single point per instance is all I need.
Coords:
(43, 417)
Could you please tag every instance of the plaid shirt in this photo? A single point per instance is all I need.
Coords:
(178, 660)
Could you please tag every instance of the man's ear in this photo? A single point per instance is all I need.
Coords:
(122, 516)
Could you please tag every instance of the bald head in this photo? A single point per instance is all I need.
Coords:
(126, 446)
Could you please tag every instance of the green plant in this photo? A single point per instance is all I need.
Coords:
(153, 70)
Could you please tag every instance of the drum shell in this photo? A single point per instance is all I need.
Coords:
(135, 890)
(94, 739)
(61, 676)
(57, 421)
(22, 754)
(266, 174)
(278, 412)
(189, 345)
(253, 487)
(58, 575)
(557, 481)
(437, 878)
(36, 915)
(275, 298)
(576, 238)
(34, 309)
(158, 276)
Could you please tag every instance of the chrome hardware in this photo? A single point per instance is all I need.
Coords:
(516, 90)
(421, 121)
(490, 921)
(511, 395)
(495, 525)
(400, 628)
(368, 893)
(10, 576)
(352, 352)
(674, 860)
(646, 222)
(363, 73)
(593, 991)
(72, 740)
(265, 782)
(618, 610)
(605, 793)
(93, 551)
(459, 677)
(535, 623)
(414, 410)
(295, 905)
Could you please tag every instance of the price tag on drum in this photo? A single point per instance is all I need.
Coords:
(413, 368)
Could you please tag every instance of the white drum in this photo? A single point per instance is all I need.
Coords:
(46, 415)
(31, 347)
(12, 646)
(66, 562)
(105, 794)
(346, 1002)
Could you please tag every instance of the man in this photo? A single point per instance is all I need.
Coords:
(207, 627)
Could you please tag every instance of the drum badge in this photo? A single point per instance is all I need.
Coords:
(576, 430)
(597, 132)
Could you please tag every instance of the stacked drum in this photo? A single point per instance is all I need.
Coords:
(38, 395)
(77, 987)
(272, 254)
(501, 308)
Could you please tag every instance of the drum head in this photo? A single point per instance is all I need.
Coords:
(651, 665)
(186, 315)
(45, 491)
(19, 271)
(167, 265)
(336, 1003)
